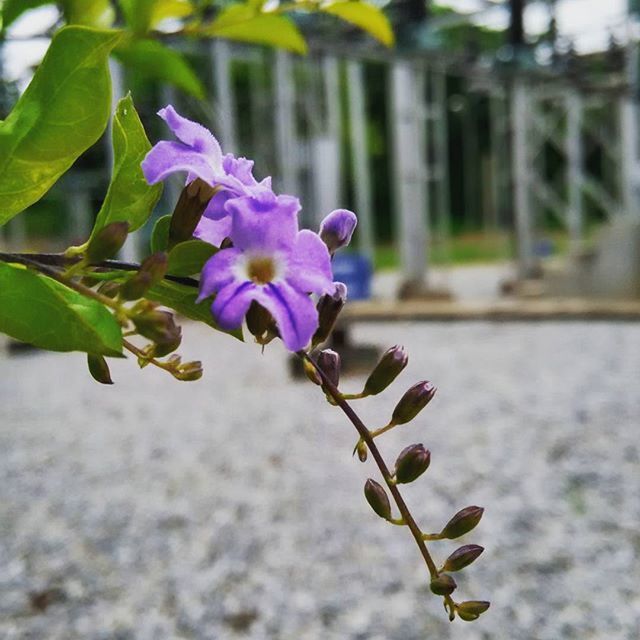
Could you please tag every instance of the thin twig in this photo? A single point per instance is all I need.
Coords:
(382, 466)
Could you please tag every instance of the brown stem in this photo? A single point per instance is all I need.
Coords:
(365, 434)
(60, 260)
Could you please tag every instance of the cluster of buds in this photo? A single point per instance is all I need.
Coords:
(412, 462)
(138, 315)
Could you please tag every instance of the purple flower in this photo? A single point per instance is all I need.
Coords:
(272, 263)
(198, 154)
(337, 228)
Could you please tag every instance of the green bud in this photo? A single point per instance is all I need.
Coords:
(107, 242)
(443, 585)
(472, 609)
(109, 289)
(413, 402)
(99, 369)
(462, 557)
(463, 522)
(362, 451)
(412, 462)
(387, 370)
(158, 326)
(329, 362)
(329, 308)
(377, 499)
(189, 209)
(189, 371)
(152, 270)
(136, 286)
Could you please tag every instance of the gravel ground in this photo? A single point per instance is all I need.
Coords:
(232, 508)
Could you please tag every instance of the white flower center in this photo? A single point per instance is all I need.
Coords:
(260, 269)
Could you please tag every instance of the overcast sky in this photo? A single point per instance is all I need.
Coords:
(588, 23)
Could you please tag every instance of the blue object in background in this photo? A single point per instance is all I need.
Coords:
(354, 269)
(544, 248)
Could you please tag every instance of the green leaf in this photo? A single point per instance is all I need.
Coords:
(143, 15)
(13, 9)
(188, 258)
(363, 15)
(182, 299)
(129, 197)
(45, 313)
(241, 22)
(160, 234)
(63, 112)
(152, 60)
(91, 13)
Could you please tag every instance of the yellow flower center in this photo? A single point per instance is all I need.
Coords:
(261, 270)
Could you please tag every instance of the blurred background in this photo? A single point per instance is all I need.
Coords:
(493, 159)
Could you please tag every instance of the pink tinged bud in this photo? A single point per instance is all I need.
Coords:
(337, 228)
(472, 609)
(329, 308)
(329, 362)
(107, 242)
(463, 522)
(462, 557)
(99, 369)
(387, 370)
(377, 499)
(413, 402)
(443, 585)
(412, 462)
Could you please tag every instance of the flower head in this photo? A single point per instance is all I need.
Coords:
(198, 153)
(271, 263)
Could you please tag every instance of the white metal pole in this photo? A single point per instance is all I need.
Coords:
(225, 127)
(629, 114)
(575, 165)
(524, 231)
(409, 170)
(360, 157)
(285, 123)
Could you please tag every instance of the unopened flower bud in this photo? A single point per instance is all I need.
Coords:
(463, 522)
(157, 326)
(412, 462)
(99, 369)
(362, 451)
(188, 210)
(387, 370)
(443, 585)
(152, 270)
(472, 609)
(109, 289)
(260, 323)
(107, 242)
(462, 557)
(189, 371)
(329, 308)
(329, 362)
(413, 402)
(377, 499)
(337, 228)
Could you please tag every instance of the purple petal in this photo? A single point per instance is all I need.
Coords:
(309, 265)
(294, 313)
(232, 303)
(171, 157)
(193, 135)
(264, 221)
(217, 272)
(215, 209)
(241, 168)
(213, 231)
